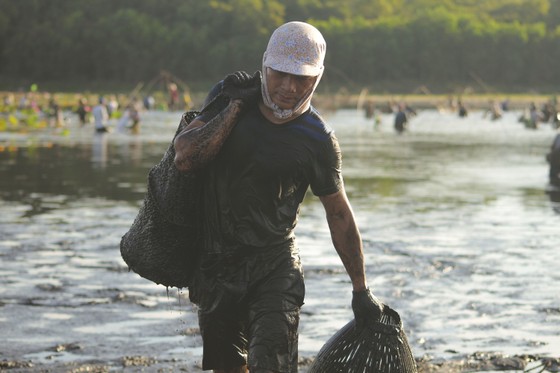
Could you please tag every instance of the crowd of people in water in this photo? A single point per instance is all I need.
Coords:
(104, 113)
(532, 117)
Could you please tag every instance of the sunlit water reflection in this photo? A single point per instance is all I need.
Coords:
(459, 234)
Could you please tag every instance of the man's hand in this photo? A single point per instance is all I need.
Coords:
(242, 86)
(366, 307)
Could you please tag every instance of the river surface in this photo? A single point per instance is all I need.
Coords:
(460, 237)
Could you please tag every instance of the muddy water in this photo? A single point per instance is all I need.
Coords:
(460, 237)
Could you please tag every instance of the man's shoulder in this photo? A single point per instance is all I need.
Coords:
(314, 123)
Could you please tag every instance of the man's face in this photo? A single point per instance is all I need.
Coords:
(286, 90)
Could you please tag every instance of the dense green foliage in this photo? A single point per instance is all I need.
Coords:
(442, 43)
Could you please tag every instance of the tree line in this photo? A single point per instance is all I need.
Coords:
(452, 44)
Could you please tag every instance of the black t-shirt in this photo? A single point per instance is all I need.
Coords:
(254, 187)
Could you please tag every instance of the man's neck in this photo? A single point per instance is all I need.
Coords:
(269, 114)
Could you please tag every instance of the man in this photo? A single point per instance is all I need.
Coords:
(553, 158)
(257, 154)
(100, 116)
(401, 119)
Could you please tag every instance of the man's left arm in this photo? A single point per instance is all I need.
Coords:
(346, 237)
(348, 244)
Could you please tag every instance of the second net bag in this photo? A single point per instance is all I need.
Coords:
(379, 347)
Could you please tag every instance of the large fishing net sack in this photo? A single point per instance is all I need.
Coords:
(379, 347)
(163, 243)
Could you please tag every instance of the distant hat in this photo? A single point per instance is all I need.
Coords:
(296, 48)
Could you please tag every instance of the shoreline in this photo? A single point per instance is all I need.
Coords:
(323, 101)
(476, 362)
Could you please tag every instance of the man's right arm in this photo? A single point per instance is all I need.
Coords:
(200, 142)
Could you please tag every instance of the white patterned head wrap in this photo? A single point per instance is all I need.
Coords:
(295, 48)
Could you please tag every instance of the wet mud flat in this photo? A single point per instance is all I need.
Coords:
(459, 237)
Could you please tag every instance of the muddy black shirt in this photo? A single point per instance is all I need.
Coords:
(254, 187)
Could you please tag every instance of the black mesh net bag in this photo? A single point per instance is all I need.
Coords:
(163, 243)
(380, 347)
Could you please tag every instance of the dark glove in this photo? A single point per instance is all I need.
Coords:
(242, 86)
(366, 307)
